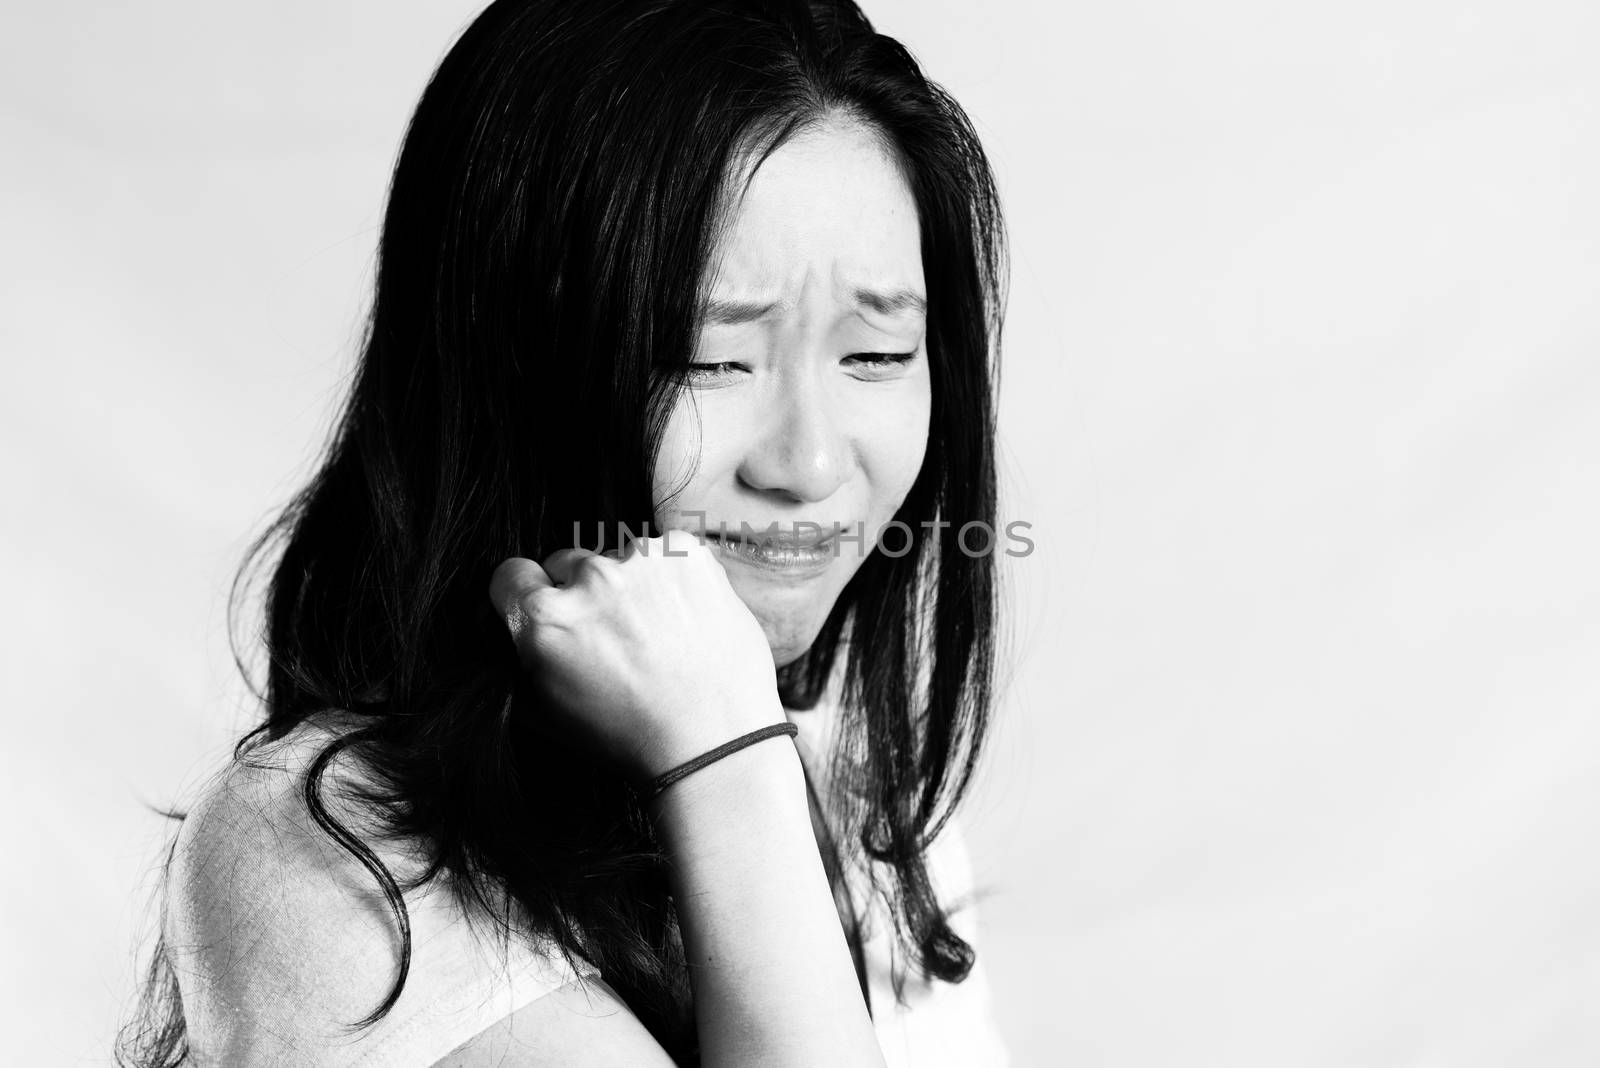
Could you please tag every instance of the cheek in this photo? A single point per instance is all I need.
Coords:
(700, 445)
(678, 460)
(899, 444)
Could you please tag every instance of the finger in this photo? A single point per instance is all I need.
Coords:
(511, 582)
(632, 544)
(675, 541)
(562, 566)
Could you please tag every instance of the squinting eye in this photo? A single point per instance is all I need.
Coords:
(878, 362)
(704, 372)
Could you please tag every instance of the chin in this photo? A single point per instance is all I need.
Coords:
(781, 660)
(790, 617)
(790, 629)
(787, 641)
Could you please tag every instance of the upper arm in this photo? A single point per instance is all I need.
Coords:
(279, 938)
(581, 1025)
(281, 941)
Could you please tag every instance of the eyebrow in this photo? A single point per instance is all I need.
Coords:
(734, 312)
(895, 302)
(718, 312)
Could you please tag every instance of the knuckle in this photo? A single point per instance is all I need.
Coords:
(535, 613)
(683, 543)
(540, 604)
(599, 570)
(557, 559)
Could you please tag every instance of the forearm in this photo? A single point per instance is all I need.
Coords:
(772, 977)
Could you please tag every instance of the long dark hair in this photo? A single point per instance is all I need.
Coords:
(538, 280)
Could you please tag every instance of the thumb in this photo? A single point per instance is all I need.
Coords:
(512, 583)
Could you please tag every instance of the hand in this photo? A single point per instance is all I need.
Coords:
(650, 655)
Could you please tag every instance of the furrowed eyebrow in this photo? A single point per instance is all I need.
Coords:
(718, 312)
(896, 302)
(734, 312)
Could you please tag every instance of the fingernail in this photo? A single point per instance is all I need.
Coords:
(516, 619)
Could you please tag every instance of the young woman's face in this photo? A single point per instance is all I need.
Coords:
(808, 404)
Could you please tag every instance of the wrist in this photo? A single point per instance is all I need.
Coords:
(696, 734)
(744, 787)
(721, 752)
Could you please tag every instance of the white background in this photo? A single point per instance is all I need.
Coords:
(1300, 762)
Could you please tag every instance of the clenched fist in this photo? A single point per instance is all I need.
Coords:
(650, 655)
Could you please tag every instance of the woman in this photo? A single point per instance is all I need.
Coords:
(676, 394)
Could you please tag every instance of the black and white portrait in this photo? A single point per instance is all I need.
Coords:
(736, 532)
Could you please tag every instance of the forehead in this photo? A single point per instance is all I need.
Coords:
(827, 215)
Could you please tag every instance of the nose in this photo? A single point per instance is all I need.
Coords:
(803, 451)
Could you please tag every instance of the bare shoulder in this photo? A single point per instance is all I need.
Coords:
(283, 941)
(250, 841)
(584, 1024)
(263, 906)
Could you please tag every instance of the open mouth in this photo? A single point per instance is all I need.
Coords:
(803, 550)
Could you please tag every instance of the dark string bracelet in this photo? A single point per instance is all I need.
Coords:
(667, 778)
